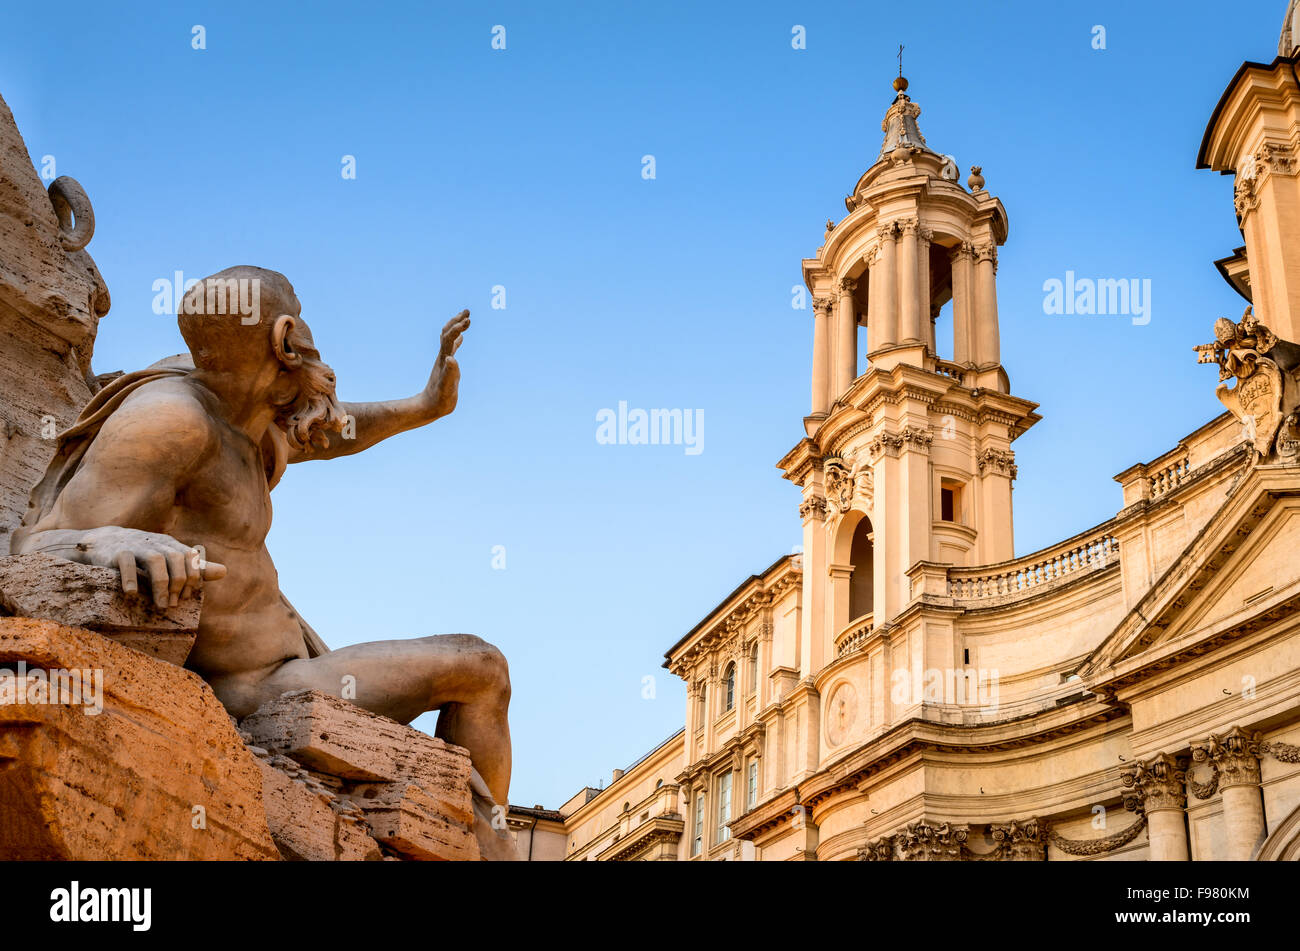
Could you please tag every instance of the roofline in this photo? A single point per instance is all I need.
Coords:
(1221, 266)
(668, 654)
(1223, 101)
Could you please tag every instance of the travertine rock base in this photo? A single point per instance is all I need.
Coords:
(51, 299)
(419, 796)
(42, 586)
(160, 773)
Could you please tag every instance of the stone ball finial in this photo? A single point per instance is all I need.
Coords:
(900, 84)
(976, 180)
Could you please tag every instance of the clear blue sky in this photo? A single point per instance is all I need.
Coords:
(522, 168)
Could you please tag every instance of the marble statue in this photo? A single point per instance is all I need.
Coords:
(167, 476)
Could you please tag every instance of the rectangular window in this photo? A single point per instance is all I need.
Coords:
(751, 787)
(724, 806)
(698, 841)
(947, 500)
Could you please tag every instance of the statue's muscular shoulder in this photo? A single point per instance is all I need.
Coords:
(164, 422)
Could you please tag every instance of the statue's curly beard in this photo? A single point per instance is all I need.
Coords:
(316, 412)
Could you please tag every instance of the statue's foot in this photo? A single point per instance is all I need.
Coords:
(495, 844)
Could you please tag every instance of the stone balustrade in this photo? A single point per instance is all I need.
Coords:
(854, 636)
(953, 371)
(1034, 573)
(1170, 477)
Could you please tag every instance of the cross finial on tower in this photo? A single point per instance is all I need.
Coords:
(900, 84)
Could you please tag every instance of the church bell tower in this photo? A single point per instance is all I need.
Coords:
(908, 458)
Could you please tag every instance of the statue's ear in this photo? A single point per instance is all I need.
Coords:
(284, 351)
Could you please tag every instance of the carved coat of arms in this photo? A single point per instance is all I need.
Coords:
(1267, 391)
(847, 478)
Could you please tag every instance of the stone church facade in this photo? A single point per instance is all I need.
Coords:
(906, 689)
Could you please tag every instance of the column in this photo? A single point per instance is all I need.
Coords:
(812, 620)
(887, 301)
(765, 664)
(1161, 792)
(692, 704)
(963, 301)
(740, 658)
(846, 348)
(923, 238)
(688, 812)
(871, 259)
(1235, 758)
(821, 374)
(909, 303)
(737, 783)
(987, 346)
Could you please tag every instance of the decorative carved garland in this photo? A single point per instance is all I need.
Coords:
(1097, 846)
(1203, 790)
(1282, 752)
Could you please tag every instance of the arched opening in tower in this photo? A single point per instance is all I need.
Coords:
(862, 583)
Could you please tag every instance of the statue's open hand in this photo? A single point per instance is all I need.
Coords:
(174, 570)
(444, 381)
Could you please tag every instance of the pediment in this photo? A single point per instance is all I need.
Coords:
(1241, 573)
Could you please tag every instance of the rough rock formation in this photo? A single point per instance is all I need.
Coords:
(42, 586)
(51, 299)
(159, 773)
(415, 793)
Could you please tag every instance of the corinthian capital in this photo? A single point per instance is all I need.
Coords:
(1159, 783)
(847, 285)
(926, 841)
(963, 250)
(822, 306)
(1022, 840)
(1234, 756)
(813, 507)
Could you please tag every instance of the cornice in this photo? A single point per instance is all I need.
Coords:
(915, 737)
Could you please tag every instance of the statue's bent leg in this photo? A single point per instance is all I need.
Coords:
(462, 676)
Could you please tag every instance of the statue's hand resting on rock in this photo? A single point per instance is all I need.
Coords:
(172, 570)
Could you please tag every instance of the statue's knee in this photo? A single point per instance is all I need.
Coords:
(497, 669)
(486, 660)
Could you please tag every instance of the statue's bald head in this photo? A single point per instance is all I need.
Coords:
(243, 318)
(227, 318)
